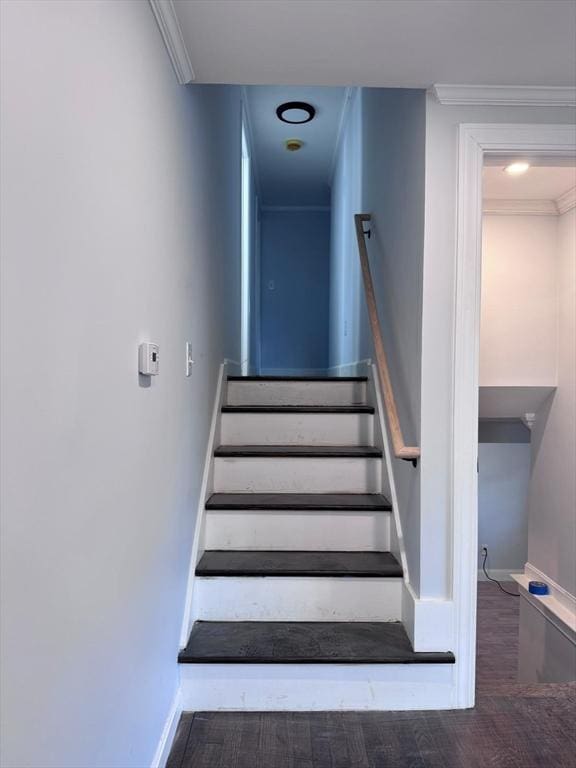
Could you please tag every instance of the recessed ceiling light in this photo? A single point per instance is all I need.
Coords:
(517, 169)
(295, 112)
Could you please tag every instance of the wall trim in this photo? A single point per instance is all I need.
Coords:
(205, 491)
(171, 32)
(505, 95)
(293, 371)
(519, 207)
(168, 732)
(359, 368)
(558, 607)
(500, 574)
(474, 142)
(567, 201)
(429, 622)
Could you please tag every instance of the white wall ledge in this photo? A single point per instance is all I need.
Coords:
(558, 607)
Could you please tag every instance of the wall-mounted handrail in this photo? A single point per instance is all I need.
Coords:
(401, 450)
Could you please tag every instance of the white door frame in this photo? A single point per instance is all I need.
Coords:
(475, 141)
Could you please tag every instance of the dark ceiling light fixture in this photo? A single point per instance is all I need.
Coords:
(295, 112)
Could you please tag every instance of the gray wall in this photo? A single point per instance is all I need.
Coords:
(120, 213)
(552, 526)
(503, 476)
(393, 142)
(295, 255)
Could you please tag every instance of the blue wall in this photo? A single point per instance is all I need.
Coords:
(295, 255)
(347, 304)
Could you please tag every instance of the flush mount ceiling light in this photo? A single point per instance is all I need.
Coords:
(295, 112)
(517, 169)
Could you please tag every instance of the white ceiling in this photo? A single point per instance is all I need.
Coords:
(538, 183)
(394, 43)
(294, 178)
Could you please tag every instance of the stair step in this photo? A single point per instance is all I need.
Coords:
(303, 563)
(289, 428)
(297, 409)
(301, 451)
(298, 378)
(353, 502)
(296, 642)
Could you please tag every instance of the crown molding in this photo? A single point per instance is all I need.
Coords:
(520, 207)
(171, 32)
(505, 95)
(567, 201)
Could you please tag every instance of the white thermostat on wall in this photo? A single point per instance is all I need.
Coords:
(148, 359)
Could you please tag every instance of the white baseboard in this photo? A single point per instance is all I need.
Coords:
(205, 491)
(168, 732)
(429, 622)
(500, 574)
(359, 368)
(293, 371)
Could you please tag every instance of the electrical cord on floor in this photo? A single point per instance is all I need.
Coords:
(512, 594)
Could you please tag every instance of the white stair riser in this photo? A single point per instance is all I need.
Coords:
(297, 598)
(297, 475)
(296, 392)
(334, 531)
(297, 429)
(316, 687)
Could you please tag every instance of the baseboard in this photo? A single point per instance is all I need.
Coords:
(168, 732)
(359, 368)
(205, 490)
(429, 622)
(500, 574)
(293, 371)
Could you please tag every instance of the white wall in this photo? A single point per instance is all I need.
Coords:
(438, 322)
(120, 216)
(393, 164)
(552, 517)
(519, 301)
(503, 475)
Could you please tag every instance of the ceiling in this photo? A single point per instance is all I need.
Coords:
(393, 43)
(538, 183)
(299, 178)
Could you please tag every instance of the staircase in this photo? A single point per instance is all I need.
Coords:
(297, 600)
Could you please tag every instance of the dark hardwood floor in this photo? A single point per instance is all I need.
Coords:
(512, 725)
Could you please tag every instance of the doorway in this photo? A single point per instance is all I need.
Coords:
(476, 143)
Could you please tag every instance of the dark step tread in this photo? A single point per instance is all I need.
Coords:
(305, 642)
(300, 451)
(352, 502)
(298, 378)
(297, 409)
(302, 563)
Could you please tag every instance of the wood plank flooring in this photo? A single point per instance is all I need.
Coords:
(512, 726)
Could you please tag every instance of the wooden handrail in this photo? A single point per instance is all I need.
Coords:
(401, 451)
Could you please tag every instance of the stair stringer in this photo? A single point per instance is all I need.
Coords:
(206, 489)
(428, 622)
(374, 398)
